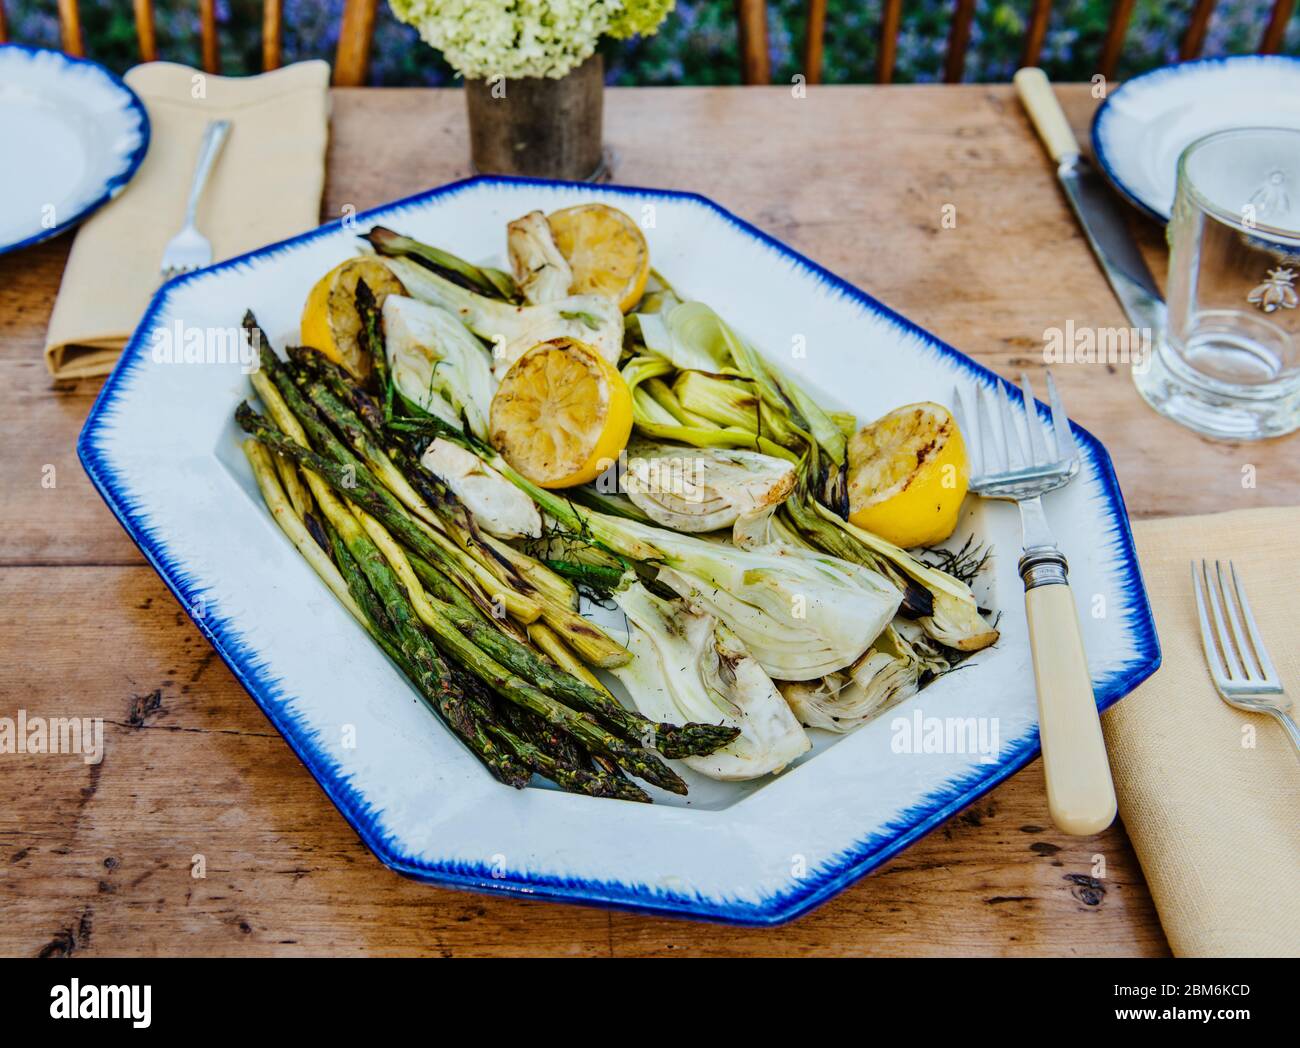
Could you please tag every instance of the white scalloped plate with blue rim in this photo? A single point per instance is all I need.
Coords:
(1141, 129)
(163, 451)
(74, 135)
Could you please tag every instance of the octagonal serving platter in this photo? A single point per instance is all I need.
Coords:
(162, 449)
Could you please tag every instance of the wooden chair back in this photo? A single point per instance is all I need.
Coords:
(751, 17)
(351, 59)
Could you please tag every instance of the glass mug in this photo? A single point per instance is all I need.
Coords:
(1228, 363)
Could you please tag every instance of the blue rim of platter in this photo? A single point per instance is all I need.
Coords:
(117, 182)
(1100, 117)
(841, 871)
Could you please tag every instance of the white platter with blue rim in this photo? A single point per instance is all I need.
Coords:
(162, 449)
(73, 136)
(1141, 129)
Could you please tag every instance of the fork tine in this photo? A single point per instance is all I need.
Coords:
(1061, 432)
(995, 458)
(1016, 456)
(1220, 631)
(1256, 642)
(1230, 604)
(1034, 424)
(973, 451)
(1207, 634)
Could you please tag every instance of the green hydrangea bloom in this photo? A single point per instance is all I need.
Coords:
(639, 18)
(482, 39)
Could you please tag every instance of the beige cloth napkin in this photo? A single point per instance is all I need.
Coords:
(1215, 822)
(266, 186)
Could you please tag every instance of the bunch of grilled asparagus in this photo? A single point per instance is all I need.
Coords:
(489, 636)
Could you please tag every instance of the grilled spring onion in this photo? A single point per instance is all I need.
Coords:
(663, 419)
(482, 279)
(688, 665)
(955, 619)
(658, 296)
(724, 400)
(698, 339)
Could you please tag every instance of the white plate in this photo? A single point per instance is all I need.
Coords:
(73, 134)
(161, 447)
(1141, 129)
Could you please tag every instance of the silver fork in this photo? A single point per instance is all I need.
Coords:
(189, 249)
(1021, 469)
(1248, 681)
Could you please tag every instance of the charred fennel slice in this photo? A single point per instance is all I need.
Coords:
(703, 489)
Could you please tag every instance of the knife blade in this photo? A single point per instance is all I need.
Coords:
(1098, 210)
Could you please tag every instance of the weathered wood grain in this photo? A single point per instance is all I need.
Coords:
(857, 178)
(100, 859)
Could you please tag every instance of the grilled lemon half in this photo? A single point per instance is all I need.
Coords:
(330, 322)
(908, 475)
(561, 414)
(606, 251)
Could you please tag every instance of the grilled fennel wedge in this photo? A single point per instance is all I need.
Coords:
(686, 664)
(437, 363)
(541, 272)
(887, 673)
(703, 489)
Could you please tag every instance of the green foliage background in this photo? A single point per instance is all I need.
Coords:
(697, 44)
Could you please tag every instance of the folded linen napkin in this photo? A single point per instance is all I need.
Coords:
(266, 186)
(1210, 795)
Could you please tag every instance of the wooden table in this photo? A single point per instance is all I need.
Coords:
(98, 860)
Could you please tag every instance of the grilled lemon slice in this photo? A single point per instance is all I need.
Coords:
(908, 475)
(561, 414)
(605, 250)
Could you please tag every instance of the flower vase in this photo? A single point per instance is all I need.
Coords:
(540, 127)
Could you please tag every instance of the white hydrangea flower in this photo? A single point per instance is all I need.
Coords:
(520, 38)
